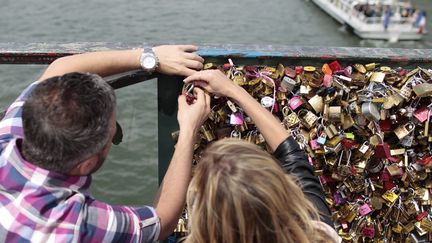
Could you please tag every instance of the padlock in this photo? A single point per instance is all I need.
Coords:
(331, 131)
(290, 72)
(326, 69)
(369, 231)
(364, 209)
(267, 102)
(360, 68)
(406, 92)
(207, 133)
(371, 66)
(280, 96)
(403, 130)
(423, 89)
(377, 77)
(382, 151)
(347, 121)
(314, 144)
(317, 103)
(288, 84)
(335, 113)
(231, 106)
(335, 66)
(322, 139)
(291, 120)
(370, 111)
(236, 118)
(255, 81)
(235, 134)
(327, 80)
(305, 89)
(307, 118)
(279, 72)
(295, 102)
(332, 143)
(394, 170)
(390, 196)
(421, 114)
(394, 152)
(239, 79)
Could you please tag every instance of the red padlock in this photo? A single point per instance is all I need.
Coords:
(348, 143)
(386, 125)
(298, 69)
(335, 66)
(424, 161)
(290, 72)
(382, 151)
(388, 185)
(421, 215)
(385, 176)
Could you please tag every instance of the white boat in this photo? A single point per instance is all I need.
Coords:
(391, 20)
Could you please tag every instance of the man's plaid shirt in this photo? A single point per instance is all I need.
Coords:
(37, 205)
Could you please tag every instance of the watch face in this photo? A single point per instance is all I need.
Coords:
(149, 62)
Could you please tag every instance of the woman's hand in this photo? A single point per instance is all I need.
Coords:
(191, 116)
(178, 59)
(214, 81)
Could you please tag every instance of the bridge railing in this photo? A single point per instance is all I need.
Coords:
(169, 86)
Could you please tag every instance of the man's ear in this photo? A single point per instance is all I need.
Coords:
(85, 167)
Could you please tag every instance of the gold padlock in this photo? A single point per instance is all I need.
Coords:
(239, 79)
(347, 121)
(377, 77)
(371, 66)
(403, 130)
(360, 68)
(307, 118)
(335, 113)
(423, 89)
(207, 133)
(331, 131)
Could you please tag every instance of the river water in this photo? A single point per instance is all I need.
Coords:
(130, 173)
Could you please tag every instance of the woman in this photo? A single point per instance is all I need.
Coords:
(238, 192)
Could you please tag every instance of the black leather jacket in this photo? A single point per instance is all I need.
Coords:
(295, 162)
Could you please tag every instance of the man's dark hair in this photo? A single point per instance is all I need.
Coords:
(67, 120)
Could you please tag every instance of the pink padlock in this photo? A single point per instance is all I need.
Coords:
(364, 209)
(421, 114)
(295, 102)
(327, 80)
(314, 144)
(236, 118)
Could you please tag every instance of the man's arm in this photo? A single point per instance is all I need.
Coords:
(172, 193)
(173, 59)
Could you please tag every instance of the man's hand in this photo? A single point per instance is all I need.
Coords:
(192, 116)
(178, 59)
(214, 81)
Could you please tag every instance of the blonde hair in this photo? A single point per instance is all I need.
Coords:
(240, 194)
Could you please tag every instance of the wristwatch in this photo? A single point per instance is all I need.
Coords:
(149, 61)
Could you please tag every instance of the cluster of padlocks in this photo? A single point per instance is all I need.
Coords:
(365, 128)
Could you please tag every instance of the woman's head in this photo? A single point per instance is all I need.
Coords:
(239, 193)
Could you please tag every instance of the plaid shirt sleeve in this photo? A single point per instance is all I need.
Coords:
(102, 222)
(11, 125)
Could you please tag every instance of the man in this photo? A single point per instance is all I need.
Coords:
(59, 131)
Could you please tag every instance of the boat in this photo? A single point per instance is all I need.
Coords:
(390, 20)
